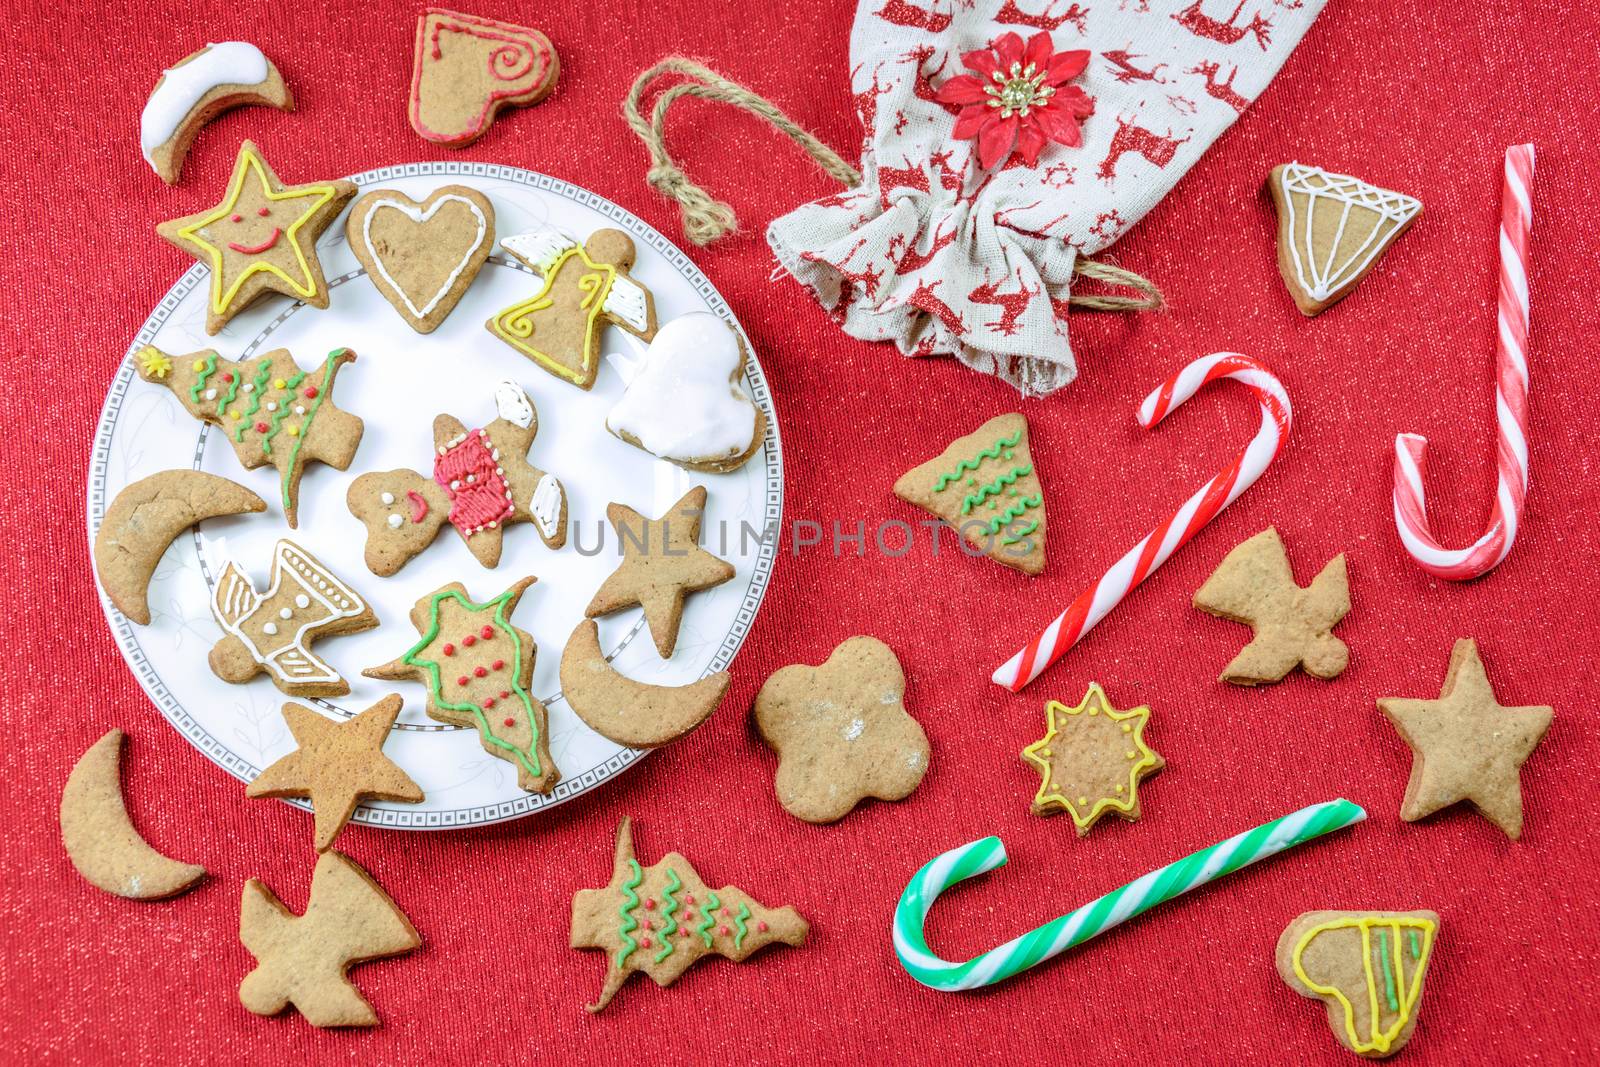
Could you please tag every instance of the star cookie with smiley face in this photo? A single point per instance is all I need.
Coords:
(261, 238)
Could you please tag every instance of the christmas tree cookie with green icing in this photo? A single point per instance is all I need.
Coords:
(662, 919)
(273, 413)
(478, 669)
(985, 486)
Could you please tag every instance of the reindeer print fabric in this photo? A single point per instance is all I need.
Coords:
(942, 257)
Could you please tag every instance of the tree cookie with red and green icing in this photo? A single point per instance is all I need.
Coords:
(662, 919)
(260, 238)
(477, 668)
(985, 486)
(273, 413)
(482, 482)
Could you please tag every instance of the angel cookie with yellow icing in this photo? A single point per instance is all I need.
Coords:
(585, 287)
(261, 238)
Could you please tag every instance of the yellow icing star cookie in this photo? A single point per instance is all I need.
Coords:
(1092, 759)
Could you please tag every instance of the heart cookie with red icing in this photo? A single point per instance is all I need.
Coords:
(467, 68)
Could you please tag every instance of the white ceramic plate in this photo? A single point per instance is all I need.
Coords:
(399, 382)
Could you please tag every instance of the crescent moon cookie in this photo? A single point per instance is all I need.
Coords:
(1332, 230)
(144, 519)
(1091, 760)
(101, 841)
(625, 711)
(273, 413)
(271, 633)
(1368, 967)
(985, 485)
(200, 87)
(662, 919)
(585, 287)
(482, 483)
(467, 68)
(842, 732)
(478, 668)
(422, 255)
(685, 404)
(261, 238)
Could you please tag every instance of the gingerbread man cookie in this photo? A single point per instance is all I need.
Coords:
(262, 238)
(482, 482)
(585, 287)
(271, 633)
(478, 667)
(273, 413)
(1091, 760)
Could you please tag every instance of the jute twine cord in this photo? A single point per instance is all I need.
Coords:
(705, 218)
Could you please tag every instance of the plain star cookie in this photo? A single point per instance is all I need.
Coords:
(272, 632)
(273, 413)
(482, 482)
(842, 732)
(662, 563)
(1091, 760)
(337, 765)
(1332, 230)
(303, 959)
(984, 485)
(685, 404)
(1466, 746)
(1367, 967)
(422, 254)
(200, 87)
(262, 238)
(478, 669)
(662, 919)
(466, 68)
(1255, 585)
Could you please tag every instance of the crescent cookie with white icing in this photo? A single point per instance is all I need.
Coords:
(685, 404)
(422, 254)
(200, 87)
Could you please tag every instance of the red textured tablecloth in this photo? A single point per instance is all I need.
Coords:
(1420, 97)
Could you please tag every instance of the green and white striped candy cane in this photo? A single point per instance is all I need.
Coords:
(1076, 927)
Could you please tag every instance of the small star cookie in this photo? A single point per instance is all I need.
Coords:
(337, 766)
(662, 563)
(262, 237)
(1466, 746)
(1255, 585)
(1092, 759)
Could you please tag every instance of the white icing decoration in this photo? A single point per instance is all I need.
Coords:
(628, 302)
(545, 507)
(419, 216)
(211, 394)
(285, 613)
(235, 603)
(1388, 210)
(272, 405)
(538, 248)
(682, 404)
(387, 498)
(513, 405)
(180, 89)
(299, 409)
(395, 521)
(302, 601)
(270, 628)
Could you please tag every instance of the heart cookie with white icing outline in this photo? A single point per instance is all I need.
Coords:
(422, 255)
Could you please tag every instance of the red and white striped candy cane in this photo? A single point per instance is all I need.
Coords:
(1511, 407)
(1094, 603)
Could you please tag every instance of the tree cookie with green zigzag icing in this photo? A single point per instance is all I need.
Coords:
(985, 486)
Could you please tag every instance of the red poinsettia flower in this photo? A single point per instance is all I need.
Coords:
(1017, 98)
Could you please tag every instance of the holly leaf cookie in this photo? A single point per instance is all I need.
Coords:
(303, 959)
(1255, 585)
(1466, 746)
(337, 765)
(1091, 760)
(1332, 230)
(467, 68)
(482, 482)
(585, 287)
(273, 413)
(271, 633)
(478, 668)
(984, 485)
(422, 255)
(842, 732)
(662, 919)
(262, 237)
(662, 563)
(1368, 967)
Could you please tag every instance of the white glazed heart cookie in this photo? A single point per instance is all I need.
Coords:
(685, 404)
